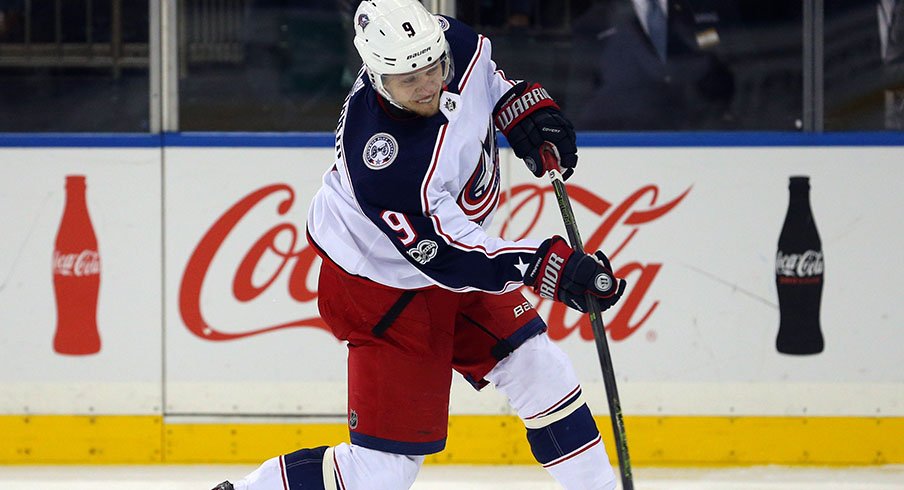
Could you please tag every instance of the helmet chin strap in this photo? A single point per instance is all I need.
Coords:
(381, 89)
(400, 106)
(385, 94)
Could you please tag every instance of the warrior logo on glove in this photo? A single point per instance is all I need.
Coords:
(560, 274)
(528, 117)
(551, 274)
(534, 98)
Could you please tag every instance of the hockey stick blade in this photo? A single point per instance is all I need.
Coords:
(551, 163)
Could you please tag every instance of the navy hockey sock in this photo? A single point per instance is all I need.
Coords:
(304, 468)
(565, 438)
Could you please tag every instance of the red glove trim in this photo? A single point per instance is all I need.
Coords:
(552, 269)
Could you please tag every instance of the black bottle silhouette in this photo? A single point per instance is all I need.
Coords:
(799, 272)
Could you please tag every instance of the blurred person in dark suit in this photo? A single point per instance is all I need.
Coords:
(864, 64)
(651, 65)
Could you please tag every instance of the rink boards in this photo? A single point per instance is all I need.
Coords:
(213, 350)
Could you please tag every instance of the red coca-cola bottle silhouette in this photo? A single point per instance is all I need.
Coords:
(76, 275)
(799, 275)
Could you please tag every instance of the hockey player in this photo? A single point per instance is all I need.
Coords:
(411, 279)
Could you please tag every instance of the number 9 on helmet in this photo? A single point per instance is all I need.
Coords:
(395, 37)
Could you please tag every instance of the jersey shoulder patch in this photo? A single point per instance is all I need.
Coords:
(387, 159)
(380, 151)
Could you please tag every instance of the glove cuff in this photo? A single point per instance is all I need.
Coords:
(548, 268)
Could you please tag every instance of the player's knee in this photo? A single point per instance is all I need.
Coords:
(360, 467)
(536, 378)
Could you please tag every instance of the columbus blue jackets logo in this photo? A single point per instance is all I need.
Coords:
(443, 23)
(480, 194)
(363, 20)
(380, 151)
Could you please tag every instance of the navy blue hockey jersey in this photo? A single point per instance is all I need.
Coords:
(408, 201)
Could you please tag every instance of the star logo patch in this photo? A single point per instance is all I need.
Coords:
(521, 266)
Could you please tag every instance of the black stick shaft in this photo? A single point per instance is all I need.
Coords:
(551, 164)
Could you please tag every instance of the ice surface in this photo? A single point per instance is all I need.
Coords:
(441, 477)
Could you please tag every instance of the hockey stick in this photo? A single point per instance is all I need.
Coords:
(550, 156)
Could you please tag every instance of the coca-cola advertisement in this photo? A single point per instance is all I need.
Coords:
(76, 275)
(80, 281)
(242, 288)
(127, 280)
(799, 275)
(679, 226)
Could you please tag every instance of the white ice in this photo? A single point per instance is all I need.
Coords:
(442, 477)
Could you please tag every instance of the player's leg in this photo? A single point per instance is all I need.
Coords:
(343, 467)
(504, 345)
(399, 375)
(399, 367)
(399, 362)
(305, 467)
(540, 384)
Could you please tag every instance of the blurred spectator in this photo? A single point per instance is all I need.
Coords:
(519, 14)
(864, 64)
(651, 65)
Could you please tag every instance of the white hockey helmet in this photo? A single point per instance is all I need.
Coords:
(395, 37)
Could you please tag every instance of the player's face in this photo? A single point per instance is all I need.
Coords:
(417, 91)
